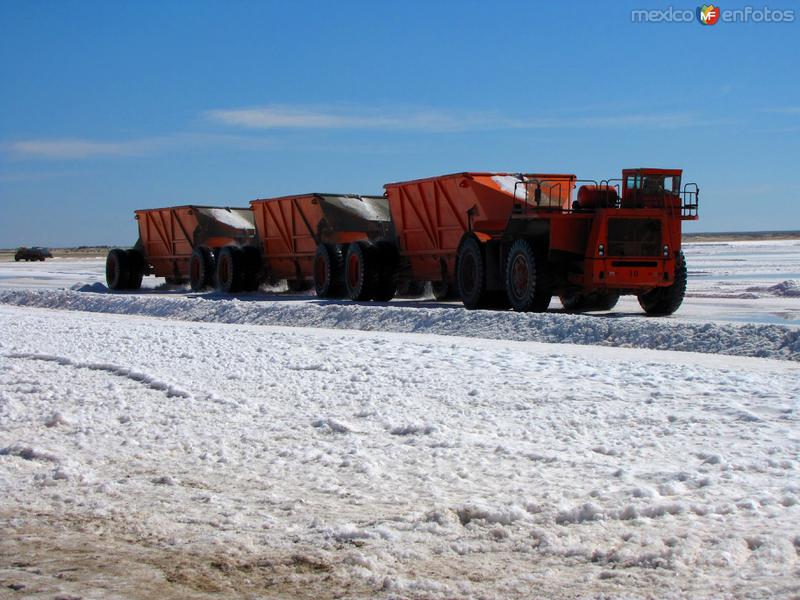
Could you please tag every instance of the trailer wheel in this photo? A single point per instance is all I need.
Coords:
(136, 264)
(201, 268)
(664, 301)
(329, 271)
(360, 274)
(117, 269)
(471, 274)
(526, 278)
(386, 267)
(230, 274)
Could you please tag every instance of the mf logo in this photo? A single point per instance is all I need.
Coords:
(708, 15)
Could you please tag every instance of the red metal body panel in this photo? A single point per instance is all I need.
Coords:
(168, 235)
(287, 233)
(431, 215)
(630, 271)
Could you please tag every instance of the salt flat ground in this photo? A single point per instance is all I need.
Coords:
(144, 457)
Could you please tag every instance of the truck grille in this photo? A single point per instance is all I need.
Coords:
(634, 237)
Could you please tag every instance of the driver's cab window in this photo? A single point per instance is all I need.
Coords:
(672, 184)
(633, 182)
(653, 184)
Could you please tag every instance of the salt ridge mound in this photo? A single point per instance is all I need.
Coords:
(757, 340)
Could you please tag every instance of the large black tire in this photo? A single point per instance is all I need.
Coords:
(360, 271)
(575, 301)
(136, 265)
(16, 259)
(230, 270)
(118, 271)
(202, 266)
(664, 301)
(471, 274)
(527, 281)
(329, 271)
(252, 268)
(386, 259)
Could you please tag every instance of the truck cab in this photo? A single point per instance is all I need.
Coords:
(635, 242)
(651, 188)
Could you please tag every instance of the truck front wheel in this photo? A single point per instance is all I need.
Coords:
(526, 278)
(664, 301)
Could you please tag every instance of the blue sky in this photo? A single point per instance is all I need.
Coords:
(106, 107)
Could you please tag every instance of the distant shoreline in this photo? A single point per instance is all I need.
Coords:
(740, 236)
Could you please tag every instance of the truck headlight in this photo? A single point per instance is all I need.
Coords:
(666, 251)
(601, 250)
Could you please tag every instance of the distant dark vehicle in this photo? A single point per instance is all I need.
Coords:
(35, 253)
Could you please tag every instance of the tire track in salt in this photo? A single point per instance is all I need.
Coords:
(146, 380)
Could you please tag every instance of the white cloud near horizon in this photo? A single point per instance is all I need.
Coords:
(83, 148)
(73, 148)
(282, 117)
(330, 118)
(285, 117)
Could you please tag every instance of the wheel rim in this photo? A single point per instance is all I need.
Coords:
(353, 270)
(520, 276)
(320, 272)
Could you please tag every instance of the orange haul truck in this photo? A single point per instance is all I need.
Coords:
(496, 240)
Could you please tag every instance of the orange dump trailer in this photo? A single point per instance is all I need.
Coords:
(305, 239)
(180, 243)
(432, 215)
